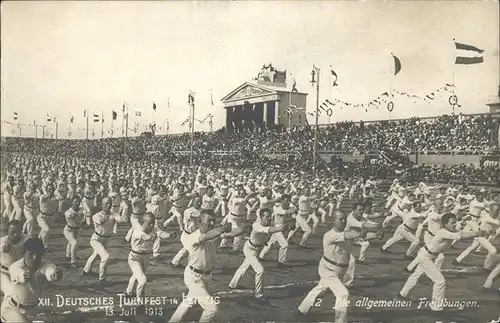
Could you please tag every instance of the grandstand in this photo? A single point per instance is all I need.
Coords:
(461, 144)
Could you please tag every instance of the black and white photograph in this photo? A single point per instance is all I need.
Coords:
(250, 161)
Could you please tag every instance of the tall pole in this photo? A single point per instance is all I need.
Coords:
(102, 125)
(87, 136)
(43, 131)
(57, 128)
(126, 134)
(36, 135)
(192, 134)
(19, 126)
(316, 71)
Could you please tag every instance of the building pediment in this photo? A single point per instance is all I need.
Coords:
(247, 91)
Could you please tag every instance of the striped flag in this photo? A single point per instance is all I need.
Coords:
(71, 119)
(289, 111)
(467, 54)
(137, 113)
(49, 118)
(15, 115)
(97, 118)
(154, 106)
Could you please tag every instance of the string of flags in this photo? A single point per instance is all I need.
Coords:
(328, 105)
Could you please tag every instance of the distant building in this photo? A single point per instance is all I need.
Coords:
(265, 101)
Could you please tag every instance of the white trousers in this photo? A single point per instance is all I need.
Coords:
(280, 239)
(236, 223)
(5, 283)
(301, 223)
(251, 259)
(315, 220)
(17, 212)
(182, 252)
(72, 236)
(403, 233)
(8, 207)
(330, 278)
(494, 274)
(138, 264)
(486, 244)
(439, 259)
(44, 222)
(426, 265)
(30, 215)
(197, 285)
(176, 215)
(99, 247)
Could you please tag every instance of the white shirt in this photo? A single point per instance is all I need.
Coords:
(433, 221)
(487, 222)
(476, 207)
(142, 242)
(209, 202)
(281, 215)
(201, 254)
(352, 222)
(442, 240)
(74, 219)
(103, 224)
(188, 219)
(412, 219)
(335, 247)
(259, 235)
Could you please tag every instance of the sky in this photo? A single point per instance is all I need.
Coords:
(62, 58)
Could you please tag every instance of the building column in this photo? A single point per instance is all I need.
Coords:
(265, 113)
(277, 113)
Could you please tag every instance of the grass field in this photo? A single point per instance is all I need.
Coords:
(380, 278)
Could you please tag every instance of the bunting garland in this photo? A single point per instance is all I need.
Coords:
(386, 99)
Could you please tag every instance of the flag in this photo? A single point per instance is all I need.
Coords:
(84, 113)
(96, 118)
(211, 98)
(397, 64)
(114, 115)
(15, 115)
(289, 111)
(49, 118)
(154, 106)
(191, 98)
(334, 77)
(137, 113)
(102, 118)
(123, 108)
(71, 119)
(464, 52)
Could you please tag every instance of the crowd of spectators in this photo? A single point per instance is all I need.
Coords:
(394, 139)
